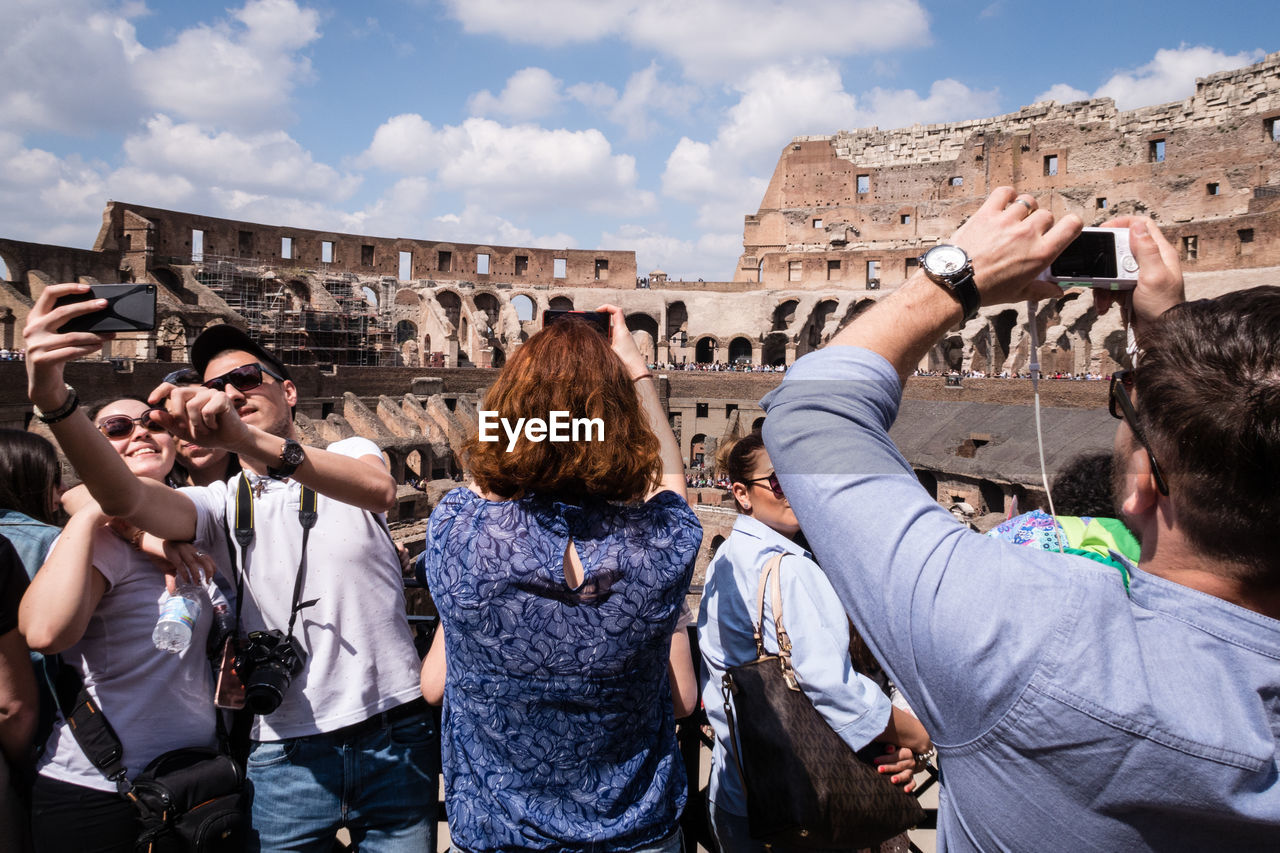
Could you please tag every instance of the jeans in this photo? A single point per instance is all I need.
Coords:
(378, 779)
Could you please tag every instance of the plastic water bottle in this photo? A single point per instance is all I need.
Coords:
(178, 615)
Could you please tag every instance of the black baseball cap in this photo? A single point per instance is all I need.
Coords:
(222, 337)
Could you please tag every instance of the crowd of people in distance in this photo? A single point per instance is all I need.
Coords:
(7, 354)
(1016, 374)
(720, 367)
(1102, 678)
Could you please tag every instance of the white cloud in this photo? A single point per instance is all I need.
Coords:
(948, 100)
(270, 162)
(1169, 76)
(235, 76)
(76, 65)
(711, 39)
(645, 94)
(476, 225)
(780, 102)
(1063, 93)
(530, 93)
(521, 166)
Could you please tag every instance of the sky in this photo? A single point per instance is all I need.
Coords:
(645, 125)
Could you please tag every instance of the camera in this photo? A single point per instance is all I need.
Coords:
(1099, 257)
(267, 665)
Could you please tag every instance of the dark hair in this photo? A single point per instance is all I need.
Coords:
(1083, 487)
(30, 475)
(568, 367)
(735, 457)
(1208, 399)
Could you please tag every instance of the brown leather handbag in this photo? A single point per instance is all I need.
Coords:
(806, 788)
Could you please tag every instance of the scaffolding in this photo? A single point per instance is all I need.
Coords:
(339, 325)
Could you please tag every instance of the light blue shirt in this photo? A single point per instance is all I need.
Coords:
(1068, 715)
(815, 620)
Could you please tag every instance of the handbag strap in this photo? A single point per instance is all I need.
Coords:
(769, 579)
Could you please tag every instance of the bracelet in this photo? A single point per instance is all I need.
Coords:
(922, 757)
(641, 376)
(61, 413)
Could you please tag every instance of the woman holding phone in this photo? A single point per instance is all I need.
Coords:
(559, 575)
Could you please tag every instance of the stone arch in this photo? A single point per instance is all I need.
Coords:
(697, 447)
(561, 303)
(784, 314)
(451, 304)
(370, 295)
(811, 336)
(677, 317)
(774, 350)
(644, 328)
(406, 330)
(740, 348)
(407, 298)
(705, 350)
(524, 306)
(488, 304)
(1003, 324)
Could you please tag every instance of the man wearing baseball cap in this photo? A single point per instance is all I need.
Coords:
(351, 743)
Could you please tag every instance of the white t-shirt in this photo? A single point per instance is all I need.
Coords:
(155, 700)
(360, 657)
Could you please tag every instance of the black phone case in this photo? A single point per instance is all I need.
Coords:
(130, 308)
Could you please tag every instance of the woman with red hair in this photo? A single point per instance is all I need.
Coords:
(559, 576)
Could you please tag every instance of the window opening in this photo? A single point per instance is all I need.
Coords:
(1190, 248)
(833, 270)
(1211, 188)
(957, 181)
(444, 261)
(326, 252)
(1051, 165)
(522, 264)
(1100, 203)
(558, 266)
(602, 269)
(482, 264)
(873, 275)
(1245, 235)
(864, 183)
(817, 223)
(405, 271)
(245, 245)
(793, 270)
(197, 245)
(286, 248)
(905, 219)
(1155, 151)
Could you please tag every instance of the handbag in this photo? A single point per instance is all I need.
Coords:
(806, 788)
(189, 800)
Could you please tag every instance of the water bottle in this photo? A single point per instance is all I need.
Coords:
(178, 615)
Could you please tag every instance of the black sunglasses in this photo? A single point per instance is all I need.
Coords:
(122, 426)
(183, 376)
(1121, 408)
(243, 378)
(772, 481)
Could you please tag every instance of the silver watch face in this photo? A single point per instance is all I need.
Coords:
(945, 260)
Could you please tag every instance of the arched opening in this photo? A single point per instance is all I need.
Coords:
(488, 304)
(463, 337)
(370, 296)
(644, 329)
(406, 330)
(716, 542)
(784, 315)
(677, 318)
(4, 270)
(171, 281)
(774, 351)
(524, 307)
(560, 303)
(812, 337)
(451, 304)
(705, 351)
(696, 447)
(1003, 324)
(499, 357)
(740, 350)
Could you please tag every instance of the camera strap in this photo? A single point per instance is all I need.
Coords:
(307, 516)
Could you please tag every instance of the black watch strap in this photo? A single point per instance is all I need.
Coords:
(965, 290)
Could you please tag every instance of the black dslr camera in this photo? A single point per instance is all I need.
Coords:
(268, 662)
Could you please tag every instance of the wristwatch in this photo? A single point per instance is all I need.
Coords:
(291, 456)
(949, 267)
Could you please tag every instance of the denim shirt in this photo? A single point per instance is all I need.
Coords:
(1068, 714)
(853, 705)
(558, 730)
(33, 540)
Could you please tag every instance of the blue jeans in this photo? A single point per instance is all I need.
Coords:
(377, 779)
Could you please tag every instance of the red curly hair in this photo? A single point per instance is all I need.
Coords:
(567, 367)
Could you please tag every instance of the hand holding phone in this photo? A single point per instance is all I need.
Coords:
(598, 319)
(130, 308)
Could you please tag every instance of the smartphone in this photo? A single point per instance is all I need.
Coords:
(1099, 257)
(130, 308)
(599, 319)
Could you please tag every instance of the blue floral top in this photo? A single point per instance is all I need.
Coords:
(558, 728)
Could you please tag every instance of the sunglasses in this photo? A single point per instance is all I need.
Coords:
(122, 426)
(1121, 408)
(246, 377)
(773, 484)
(183, 376)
